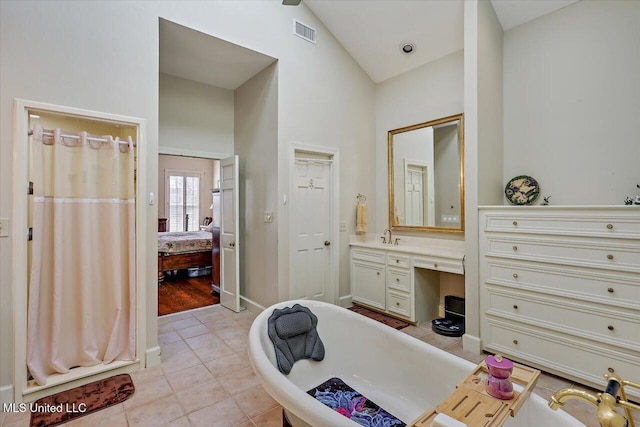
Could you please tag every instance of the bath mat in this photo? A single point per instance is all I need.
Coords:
(84, 400)
(382, 318)
(338, 396)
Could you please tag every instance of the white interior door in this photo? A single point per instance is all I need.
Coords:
(414, 196)
(311, 216)
(229, 234)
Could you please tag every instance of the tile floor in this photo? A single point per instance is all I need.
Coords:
(205, 378)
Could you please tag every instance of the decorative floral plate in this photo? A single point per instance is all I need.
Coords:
(522, 190)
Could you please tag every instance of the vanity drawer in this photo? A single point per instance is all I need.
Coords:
(569, 225)
(439, 264)
(399, 279)
(398, 260)
(587, 253)
(368, 255)
(571, 282)
(589, 362)
(399, 303)
(572, 318)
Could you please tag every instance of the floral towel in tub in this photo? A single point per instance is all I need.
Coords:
(343, 399)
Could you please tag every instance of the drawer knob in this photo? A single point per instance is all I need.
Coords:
(397, 261)
(515, 248)
(610, 226)
(609, 256)
(515, 342)
(397, 303)
(610, 327)
(515, 222)
(378, 273)
(515, 306)
(435, 265)
(515, 275)
(397, 279)
(611, 370)
(610, 290)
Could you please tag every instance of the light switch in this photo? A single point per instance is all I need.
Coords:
(268, 216)
(152, 198)
(4, 227)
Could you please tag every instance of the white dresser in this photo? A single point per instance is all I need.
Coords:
(404, 280)
(560, 288)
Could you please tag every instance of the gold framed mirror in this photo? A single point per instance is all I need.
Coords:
(426, 176)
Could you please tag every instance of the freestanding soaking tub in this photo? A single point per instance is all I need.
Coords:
(401, 374)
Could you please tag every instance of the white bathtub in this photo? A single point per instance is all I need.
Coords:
(403, 375)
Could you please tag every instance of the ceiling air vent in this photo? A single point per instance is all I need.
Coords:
(304, 31)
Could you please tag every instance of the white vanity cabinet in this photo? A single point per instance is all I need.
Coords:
(368, 278)
(560, 288)
(401, 281)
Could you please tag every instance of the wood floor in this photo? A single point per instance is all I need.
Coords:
(185, 293)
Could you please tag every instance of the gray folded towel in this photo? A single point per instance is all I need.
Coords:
(293, 333)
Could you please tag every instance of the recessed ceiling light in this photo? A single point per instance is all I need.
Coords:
(407, 47)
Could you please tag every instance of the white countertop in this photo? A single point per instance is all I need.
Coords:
(452, 249)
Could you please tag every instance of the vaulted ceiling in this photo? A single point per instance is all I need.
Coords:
(372, 31)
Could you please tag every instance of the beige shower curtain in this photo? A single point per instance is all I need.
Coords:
(81, 307)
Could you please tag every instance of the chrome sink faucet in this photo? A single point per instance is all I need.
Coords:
(384, 236)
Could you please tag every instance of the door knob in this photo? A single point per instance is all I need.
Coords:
(327, 243)
(232, 244)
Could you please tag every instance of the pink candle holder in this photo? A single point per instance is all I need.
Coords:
(498, 383)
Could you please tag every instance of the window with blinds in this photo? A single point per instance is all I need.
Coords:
(183, 201)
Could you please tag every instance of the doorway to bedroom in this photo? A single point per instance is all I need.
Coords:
(198, 78)
(188, 233)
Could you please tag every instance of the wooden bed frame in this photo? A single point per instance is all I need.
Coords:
(177, 261)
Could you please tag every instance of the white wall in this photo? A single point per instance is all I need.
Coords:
(194, 118)
(483, 142)
(57, 52)
(256, 130)
(572, 102)
(429, 92)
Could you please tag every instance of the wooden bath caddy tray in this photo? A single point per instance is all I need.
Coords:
(472, 405)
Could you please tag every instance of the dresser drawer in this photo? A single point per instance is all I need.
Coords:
(585, 321)
(399, 303)
(612, 226)
(399, 279)
(581, 253)
(368, 255)
(398, 260)
(574, 282)
(586, 362)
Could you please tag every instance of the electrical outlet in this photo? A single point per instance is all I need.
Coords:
(268, 216)
(4, 227)
(343, 226)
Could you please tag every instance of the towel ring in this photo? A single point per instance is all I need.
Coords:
(362, 199)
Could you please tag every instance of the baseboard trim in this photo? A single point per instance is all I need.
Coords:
(472, 343)
(252, 306)
(6, 394)
(153, 357)
(345, 301)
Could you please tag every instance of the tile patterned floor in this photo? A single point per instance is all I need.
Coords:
(205, 378)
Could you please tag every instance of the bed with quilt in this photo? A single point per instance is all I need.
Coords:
(183, 249)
